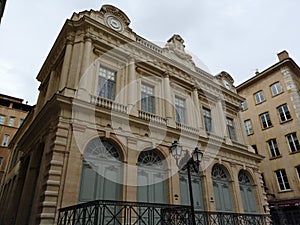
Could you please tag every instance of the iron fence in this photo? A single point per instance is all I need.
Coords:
(102, 212)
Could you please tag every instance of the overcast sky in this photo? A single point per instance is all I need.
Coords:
(238, 36)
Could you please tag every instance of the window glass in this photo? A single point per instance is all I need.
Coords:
(259, 97)
(282, 180)
(2, 119)
(148, 100)
(276, 88)
(248, 127)
(5, 140)
(106, 83)
(244, 105)
(230, 128)
(180, 110)
(298, 171)
(207, 120)
(284, 113)
(21, 122)
(293, 142)
(11, 121)
(273, 148)
(265, 120)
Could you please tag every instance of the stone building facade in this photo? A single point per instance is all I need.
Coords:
(271, 115)
(111, 104)
(12, 114)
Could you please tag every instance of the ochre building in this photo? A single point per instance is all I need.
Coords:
(271, 113)
(110, 105)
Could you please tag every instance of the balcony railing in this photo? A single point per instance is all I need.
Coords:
(102, 212)
(108, 104)
(152, 118)
(183, 127)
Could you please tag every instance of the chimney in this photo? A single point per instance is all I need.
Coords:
(283, 55)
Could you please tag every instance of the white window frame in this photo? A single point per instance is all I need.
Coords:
(231, 128)
(267, 122)
(244, 105)
(2, 119)
(272, 145)
(11, 121)
(286, 113)
(294, 140)
(110, 75)
(276, 88)
(207, 117)
(259, 97)
(248, 127)
(279, 175)
(149, 91)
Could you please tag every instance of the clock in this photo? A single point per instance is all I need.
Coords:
(227, 84)
(114, 23)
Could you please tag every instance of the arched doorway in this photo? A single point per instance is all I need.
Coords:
(101, 171)
(247, 192)
(152, 185)
(222, 190)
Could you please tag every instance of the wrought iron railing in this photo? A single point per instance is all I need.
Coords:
(102, 212)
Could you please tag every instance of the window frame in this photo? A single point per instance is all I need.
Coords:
(261, 97)
(274, 151)
(104, 82)
(295, 141)
(2, 119)
(297, 168)
(249, 130)
(244, 105)
(207, 117)
(178, 107)
(285, 183)
(148, 96)
(267, 122)
(286, 113)
(5, 140)
(276, 88)
(11, 121)
(231, 128)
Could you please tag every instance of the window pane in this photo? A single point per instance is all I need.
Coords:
(259, 97)
(106, 83)
(180, 110)
(2, 119)
(265, 120)
(272, 144)
(248, 127)
(230, 128)
(293, 142)
(207, 119)
(148, 100)
(276, 88)
(282, 180)
(284, 113)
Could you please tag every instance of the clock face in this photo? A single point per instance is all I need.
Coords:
(227, 84)
(114, 23)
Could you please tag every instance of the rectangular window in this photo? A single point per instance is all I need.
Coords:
(298, 171)
(276, 88)
(230, 128)
(2, 119)
(5, 140)
(293, 142)
(11, 121)
(255, 148)
(207, 120)
(265, 120)
(21, 122)
(284, 113)
(244, 105)
(1, 159)
(273, 148)
(259, 97)
(148, 101)
(180, 110)
(248, 127)
(106, 83)
(282, 180)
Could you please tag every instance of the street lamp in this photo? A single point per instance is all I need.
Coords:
(194, 161)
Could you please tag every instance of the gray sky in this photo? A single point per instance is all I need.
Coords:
(238, 36)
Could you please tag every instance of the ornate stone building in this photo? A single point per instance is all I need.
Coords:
(12, 114)
(272, 117)
(111, 104)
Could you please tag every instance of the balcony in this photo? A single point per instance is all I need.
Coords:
(102, 212)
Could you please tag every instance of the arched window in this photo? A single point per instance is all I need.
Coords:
(101, 171)
(196, 187)
(152, 186)
(222, 190)
(247, 192)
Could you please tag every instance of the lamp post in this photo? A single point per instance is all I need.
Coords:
(193, 162)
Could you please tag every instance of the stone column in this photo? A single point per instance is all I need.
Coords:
(168, 102)
(66, 64)
(196, 109)
(132, 88)
(236, 192)
(50, 91)
(83, 91)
